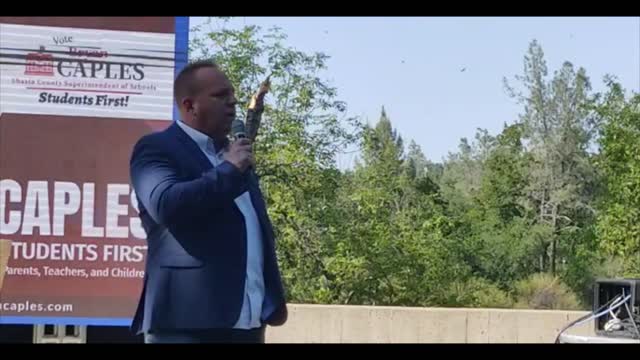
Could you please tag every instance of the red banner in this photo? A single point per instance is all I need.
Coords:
(66, 204)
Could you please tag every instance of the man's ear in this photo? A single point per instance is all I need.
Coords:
(187, 104)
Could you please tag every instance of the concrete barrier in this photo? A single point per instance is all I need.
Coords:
(378, 324)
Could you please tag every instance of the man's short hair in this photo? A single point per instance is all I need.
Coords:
(185, 84)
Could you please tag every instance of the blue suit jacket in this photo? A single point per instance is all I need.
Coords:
(197, 247)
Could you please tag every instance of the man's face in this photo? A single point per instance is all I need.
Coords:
(214, 106)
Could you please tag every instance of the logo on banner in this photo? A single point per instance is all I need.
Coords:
(39, 63)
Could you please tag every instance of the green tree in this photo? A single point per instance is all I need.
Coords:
(558, 132)
(463, 170)
(398, 229)
(417, 163)
(504, 181)
(501, 232)
(397, 233)
(618, 226)
(304, 126)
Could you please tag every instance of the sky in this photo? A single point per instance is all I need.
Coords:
(441, 78)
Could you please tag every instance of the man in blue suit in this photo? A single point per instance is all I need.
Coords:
(211, 269)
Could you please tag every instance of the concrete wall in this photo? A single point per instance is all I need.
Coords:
(368, 324)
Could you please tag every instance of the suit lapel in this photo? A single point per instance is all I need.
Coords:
(196, 155)
(191, 147)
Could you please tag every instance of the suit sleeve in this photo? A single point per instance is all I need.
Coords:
(173, 201)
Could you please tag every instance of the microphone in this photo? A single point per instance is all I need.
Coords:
(238, 129)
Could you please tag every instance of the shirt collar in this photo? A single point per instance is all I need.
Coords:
(203, 141)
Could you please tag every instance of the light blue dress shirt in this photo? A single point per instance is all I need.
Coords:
(254, 284)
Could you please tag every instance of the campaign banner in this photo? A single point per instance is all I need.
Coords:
(74, 99)
(84, 72)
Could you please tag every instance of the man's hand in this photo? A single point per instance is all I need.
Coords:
(240, 154)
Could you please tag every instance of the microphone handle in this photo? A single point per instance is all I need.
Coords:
(252, 123)
(251, 169)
